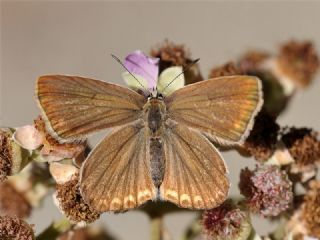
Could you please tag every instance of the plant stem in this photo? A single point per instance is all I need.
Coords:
(157, 228)
(54, 230)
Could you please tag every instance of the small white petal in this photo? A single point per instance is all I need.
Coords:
(286, 82)
(132, 83)
(62, 172)
(28, 137)
(281, 156)
(166, 78)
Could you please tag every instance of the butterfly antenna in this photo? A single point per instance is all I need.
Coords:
(119, 61)
(185, 69)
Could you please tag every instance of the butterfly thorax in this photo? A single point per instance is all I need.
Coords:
(155, 110)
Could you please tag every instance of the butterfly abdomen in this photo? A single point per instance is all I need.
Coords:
(157, 161)
(154, 118)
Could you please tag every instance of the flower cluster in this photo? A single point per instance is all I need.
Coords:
(15, 228)
(267, 189)
(32, 161)
(226, 222)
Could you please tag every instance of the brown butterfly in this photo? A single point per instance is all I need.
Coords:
(157, 147)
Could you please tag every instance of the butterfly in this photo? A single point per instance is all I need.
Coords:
(159, 146)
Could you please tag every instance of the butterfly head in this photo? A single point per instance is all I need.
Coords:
(155, 94)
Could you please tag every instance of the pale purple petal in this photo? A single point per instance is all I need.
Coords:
(144, 66)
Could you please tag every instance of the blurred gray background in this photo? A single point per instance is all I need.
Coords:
(76, 38)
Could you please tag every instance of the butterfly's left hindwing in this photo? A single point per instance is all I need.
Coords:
(116, 175)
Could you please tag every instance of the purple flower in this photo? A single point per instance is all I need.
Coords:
(148, 68)
(267, 189)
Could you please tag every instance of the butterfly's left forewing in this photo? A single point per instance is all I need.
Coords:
(195, 174)
(116, 175)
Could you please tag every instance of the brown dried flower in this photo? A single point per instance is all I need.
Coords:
(228, 69)
(226, 222)
(72, 204)
(311, 210)
(13, 228)
(54, 149)
(262, 140)
(172, 54)
(267, 189)
(299, 61)
(303, 145)
(13, 158)
(5, 154)
(252, 60)
(13, 202)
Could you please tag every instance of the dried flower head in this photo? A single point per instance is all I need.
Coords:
(262, 140)
(311, 210)
(13, 158)
(5, 154)
(71, 203)
(228, 69)
(13, 202)
(303, 145)
(299, 61)
(226, 222)
(15, 228)
(252, 60)
(267, 189)
(55, 150)
(172, 54)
